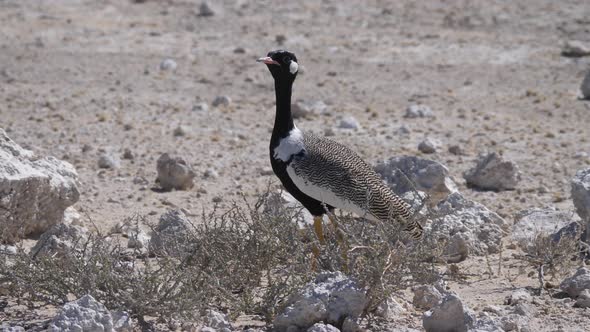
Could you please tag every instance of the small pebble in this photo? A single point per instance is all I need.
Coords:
(217, 199)
(180, 131)
(418, 111)
(127, 154)
(428, 145)
(201, 107)
(221, 101)
(107, 161)
(211, 173)
(168, 64)
(575, 49)
(329, 132)
(205, 10)
(456, 150)
(239, 50)
(585, 87)
(349, 122)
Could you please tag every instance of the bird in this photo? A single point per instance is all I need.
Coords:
(321, 173)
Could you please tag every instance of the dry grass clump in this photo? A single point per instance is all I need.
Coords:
(246, 260)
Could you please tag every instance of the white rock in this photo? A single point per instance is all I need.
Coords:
(217, 320)
(108, 161)
(581, 197)
(170, 236)
(71, 216)
(585, 87)
(429, 145)
(303, 108)
(211, 173)
(221, 101)
(8, 328)
(577, 283)
(467, 226)
(137, 239)
(492, 172)
(450, 315)
(121, 321)
(84, 314)
(426, 297)
(35, 191)
(321, 327)
(201, 107)
(583, 300)
(174, 173)
(390, 309)
(418, 111)
(331, 298)
(349, 122)
(575, 48)
(519, 296)
(281, 201)
(168, 64)
(532, 222)
(60, 239)
(406, 174)
(180, 131)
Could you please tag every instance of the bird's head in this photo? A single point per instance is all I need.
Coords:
(282, 65)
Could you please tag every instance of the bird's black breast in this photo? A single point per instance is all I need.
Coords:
(279, 167)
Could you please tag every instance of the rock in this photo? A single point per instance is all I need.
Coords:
(34, 191)
(467, 226)
(180, 131)
(128, 154)
(585, 87)
(84, 314)
(418, 111)
(450, 315)
(577, 283)
(390, 309)
(583, 300)
(492, 172)
(108, 161)
(8, 328)
(331, 298)
(168, 65)
(572, 230)
(137, 239)
(403, 130)
(122, 322)
(457, 150)
(581, 197)
(302, 108)
(72, 217)
(525, 309)
(211, 173)
(205, 9)
(174, 173)
(519, 296)
(321, 327)
(171, 235)
(279, 202)
(201, 107)
(426, 297)
(575, 49)
(407, 174)
(223, 101)
(60, 239)
(217, 321)
(429, 145)
(532, 222)
(349, 122)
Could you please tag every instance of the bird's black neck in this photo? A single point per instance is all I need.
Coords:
(283, 117)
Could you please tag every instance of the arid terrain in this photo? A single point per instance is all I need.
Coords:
(82, 79)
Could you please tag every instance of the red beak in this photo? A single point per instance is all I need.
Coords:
(267, 60)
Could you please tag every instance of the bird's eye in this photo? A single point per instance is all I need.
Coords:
(286, 60)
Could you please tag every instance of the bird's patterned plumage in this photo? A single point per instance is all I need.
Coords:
(332, 173)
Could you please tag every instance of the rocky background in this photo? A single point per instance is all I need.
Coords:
(115, 108)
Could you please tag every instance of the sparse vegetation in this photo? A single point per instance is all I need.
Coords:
(243, 260)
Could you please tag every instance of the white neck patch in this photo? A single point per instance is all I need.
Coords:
(290, 145)
(293, 67)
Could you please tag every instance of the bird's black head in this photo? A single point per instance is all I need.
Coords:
(282, 65)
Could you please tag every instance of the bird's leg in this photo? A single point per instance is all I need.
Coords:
(317, 227)
(341, 241)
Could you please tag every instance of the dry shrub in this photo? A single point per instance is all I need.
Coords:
(244, 260)
(557, 255)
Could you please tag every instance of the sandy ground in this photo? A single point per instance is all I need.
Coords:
(82, 78)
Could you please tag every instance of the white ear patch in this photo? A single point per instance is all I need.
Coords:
(293, 67)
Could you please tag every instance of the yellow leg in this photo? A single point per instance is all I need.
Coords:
(341, 241)
(317, 226)
(315, 250)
